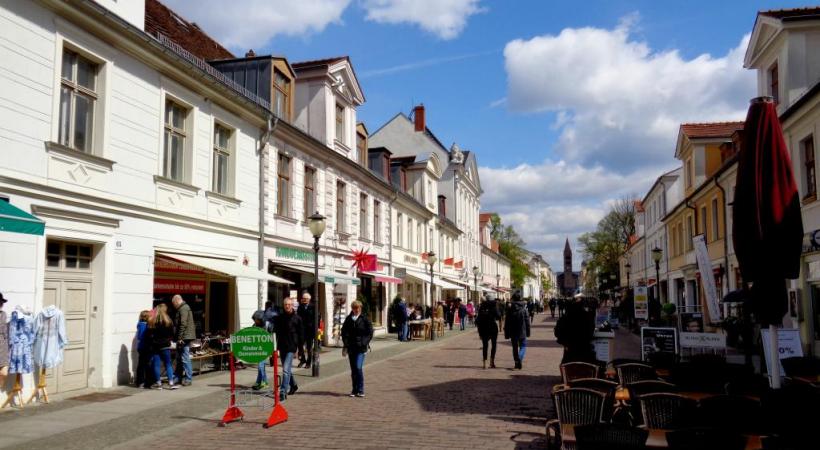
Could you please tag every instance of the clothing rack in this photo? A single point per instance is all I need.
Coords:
(40, 392)
(16, 392)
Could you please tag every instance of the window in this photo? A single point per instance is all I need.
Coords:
(363, 216)
(340, 207)
(690, 232)
(281, 95)
(690, 176)
(704, 224)
(222, 158)
(377, 224)
(429, 192)
(715, 222)
(361, 145)
(65, 255)
(175, 135)
(283, 186)
(340, 123)
(78, 98)
(399, 240)
(774, 83)
(310, 192)
(419, 237)
(807, 150)
(410, 245)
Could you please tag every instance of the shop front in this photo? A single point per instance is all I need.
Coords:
(373, 290)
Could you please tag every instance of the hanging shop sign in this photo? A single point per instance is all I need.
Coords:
(252, 345)
(641, 303)
(400, 272)
(294, 254)
(708, 276)
(172, 266)
(173, 286)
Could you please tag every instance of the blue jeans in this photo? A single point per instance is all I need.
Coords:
(519, 348)
(261, 374)
(157, 360)
(406, 329)
(287, 373)
(463, 321)
(402, 331)
(357, 372)
(185, 370)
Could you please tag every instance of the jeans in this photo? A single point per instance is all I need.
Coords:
(486, 340)
(403, 331)
(185, 370)
(357, 372)
(261, 375)
(306, 352)
(143, 376)
(463, 321)
(159, 358)
(519, 348)
(286, 358)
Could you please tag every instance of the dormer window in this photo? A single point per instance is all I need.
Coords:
(361, 145)
(340, 123)
(774, 83)
(281, 95)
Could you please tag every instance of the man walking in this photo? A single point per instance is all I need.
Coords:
(185, 333)
(289, 334)
(517, 328)
(400, 318)
(306, 312)
(462, 313)
(552, 304)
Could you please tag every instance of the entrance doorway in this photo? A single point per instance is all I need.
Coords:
(218, 319)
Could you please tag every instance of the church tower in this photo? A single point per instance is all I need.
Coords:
(567, 259)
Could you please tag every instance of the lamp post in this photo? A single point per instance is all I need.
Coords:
(431, 259)
(628, 269)
(475, 283)
(498, 282)
(657, 254)
(316, 223)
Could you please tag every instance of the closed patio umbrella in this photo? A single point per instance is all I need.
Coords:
(767, 225)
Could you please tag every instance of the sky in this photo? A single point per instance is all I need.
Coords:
(568, 105)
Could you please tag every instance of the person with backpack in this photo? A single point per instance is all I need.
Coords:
(517, 328)
(487, 323)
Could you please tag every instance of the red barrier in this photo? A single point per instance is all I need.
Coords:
(279, 414)
(233, 413)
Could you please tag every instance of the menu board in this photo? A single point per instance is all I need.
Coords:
(657, 340)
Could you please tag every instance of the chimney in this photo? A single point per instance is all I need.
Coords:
(250, 54)
(418, 116)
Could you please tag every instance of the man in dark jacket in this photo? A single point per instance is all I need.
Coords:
(305, 312)
(575, 331)
(289, 337)
(517, 328)
(357, 331)
(400, 314)
(487, 323)
(185, 333)
(462, 313)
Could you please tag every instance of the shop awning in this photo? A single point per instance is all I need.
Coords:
(325, 276)
(459, 282)
(15, 220)
(446, 284)
(383, 278)
(425, 277)
(226, 267)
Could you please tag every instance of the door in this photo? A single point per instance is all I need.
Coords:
(74, 299)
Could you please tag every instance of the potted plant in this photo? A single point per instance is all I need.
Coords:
(668, 310)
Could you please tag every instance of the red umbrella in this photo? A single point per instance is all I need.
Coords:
(767, 225)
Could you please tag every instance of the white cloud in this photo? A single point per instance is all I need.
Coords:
(253, 23)
(444, 18)
(619, 103)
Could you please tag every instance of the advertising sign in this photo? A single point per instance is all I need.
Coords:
(702, 340)
(707, 277)
(788, 346)
(658, 339)
(252, 345)
(173, 286)
(691, 322)
(641, 303)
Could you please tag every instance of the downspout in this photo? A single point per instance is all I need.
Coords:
(694, 229)
(725, 238)
(666, 244)
(390, 236)
(270, 125)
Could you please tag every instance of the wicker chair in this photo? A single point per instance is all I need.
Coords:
(575, 370)
(705, 438)
(643, 387)
(606, 436)
(596, 384)
(667, 411)
(631, 372)
(575, 406)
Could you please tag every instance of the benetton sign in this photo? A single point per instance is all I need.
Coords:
(294, 253)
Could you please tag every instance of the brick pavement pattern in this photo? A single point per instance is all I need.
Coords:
(435, 397)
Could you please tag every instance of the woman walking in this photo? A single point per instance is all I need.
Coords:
(487, 323)
(143, 377)
(161, 330)
(357, 332)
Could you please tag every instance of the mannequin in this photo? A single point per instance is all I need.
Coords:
(49, 342)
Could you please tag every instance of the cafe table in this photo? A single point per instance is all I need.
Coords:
(419, 329)
(656, 439)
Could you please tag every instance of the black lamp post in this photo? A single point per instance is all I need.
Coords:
(431, 259)
(657, 254)
(628, 269)
(316, 223)
(475, 283)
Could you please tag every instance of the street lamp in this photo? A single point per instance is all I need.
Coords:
(657, 254)
(316, 223)
(498, 282)
(628, 269)
(475, 282)
(431, 259)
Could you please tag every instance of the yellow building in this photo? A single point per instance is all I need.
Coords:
(706, 152)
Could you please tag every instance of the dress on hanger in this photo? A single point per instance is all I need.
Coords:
(49, 337)
(21, 336)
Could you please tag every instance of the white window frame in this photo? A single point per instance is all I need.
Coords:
(229, 153)
(186, 135)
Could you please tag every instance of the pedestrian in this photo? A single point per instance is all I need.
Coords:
(517, 328)
(487, 323)
(4, 344)
(185, 333)
(271, 312)
(161, 333)
(531, 309)
(289, 335)
(142, 377)
(400, 316)
(462, 313)
(552, 304)
(261, 376)
(357, 331)
(306, 313)
(440, 313)
(575, 330)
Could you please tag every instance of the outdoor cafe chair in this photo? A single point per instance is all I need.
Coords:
(632, 372)
(666, 411)
(575, 406)
(596, 384)
(574, 370)
(605, 436)
(705, 438)
(733, 413)
(643, 387)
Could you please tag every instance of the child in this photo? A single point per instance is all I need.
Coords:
(143, 351)
(261, 376)
(161, 331)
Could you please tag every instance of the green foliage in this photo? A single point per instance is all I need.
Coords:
(669, 309)
(511, 246)
(603, 248)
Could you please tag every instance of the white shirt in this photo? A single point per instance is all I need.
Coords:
(355, 318)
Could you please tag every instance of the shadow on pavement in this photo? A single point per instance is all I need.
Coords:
(526, 440)
(459, 367)
(321, 394)
(548, 343)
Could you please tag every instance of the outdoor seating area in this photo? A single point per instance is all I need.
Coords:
(629, 404)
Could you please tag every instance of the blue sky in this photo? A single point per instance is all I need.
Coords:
(534, 87)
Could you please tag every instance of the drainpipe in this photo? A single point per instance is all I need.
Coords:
(725, 238)
(270, 125)
(390, 237)
(694, 228)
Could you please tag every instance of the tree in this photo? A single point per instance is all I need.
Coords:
(511, 246)
(604, 247)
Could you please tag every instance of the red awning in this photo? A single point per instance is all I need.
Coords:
(382, 277)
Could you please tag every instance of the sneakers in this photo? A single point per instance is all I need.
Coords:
(156, 386)
(292, 390)
(173, 386)
(360, 395)
(351, 394)
(300, 365)
(261, 385)
(186, 382)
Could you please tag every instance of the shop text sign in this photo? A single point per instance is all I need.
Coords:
(172, 286)
(252, 345)
(641, 303)
(702, 340)
(294, 253)
(788, 346)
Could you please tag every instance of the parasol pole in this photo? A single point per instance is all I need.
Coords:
(775, 356)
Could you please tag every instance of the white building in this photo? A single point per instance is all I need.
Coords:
(665, 191)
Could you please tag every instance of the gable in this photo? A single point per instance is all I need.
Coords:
(345, 81)
(471, 170)
(765, 30)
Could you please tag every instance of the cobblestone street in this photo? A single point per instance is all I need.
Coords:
(435, 397)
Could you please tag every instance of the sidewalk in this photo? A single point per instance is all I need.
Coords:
(117, 415)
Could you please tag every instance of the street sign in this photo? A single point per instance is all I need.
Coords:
(252, 345)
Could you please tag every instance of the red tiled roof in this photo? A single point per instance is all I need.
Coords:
(791, 12)
(638, 206)
(710, 130)
(160, 19)
(485, 217)
(319, 62)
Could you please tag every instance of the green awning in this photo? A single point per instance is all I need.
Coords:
(15, 220)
